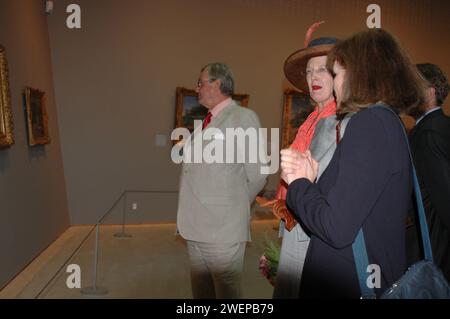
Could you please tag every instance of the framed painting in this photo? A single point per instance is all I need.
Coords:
(36, 115)
(6, 121)
(188, 109)
(296, 108)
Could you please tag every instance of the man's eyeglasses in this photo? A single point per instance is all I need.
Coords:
(201, 83)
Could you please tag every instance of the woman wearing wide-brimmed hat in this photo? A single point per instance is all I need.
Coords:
(367, 187)
(306, 70)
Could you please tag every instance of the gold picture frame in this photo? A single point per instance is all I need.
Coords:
(36, 115)
(188, 109)
(6, 120)
(296, 108)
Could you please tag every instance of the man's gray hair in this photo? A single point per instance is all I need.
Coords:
(221, 71)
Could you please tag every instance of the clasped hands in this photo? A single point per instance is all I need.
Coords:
(295, 165)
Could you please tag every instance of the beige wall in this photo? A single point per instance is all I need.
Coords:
(115, 78)
(33, 199)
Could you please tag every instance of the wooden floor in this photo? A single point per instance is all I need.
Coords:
(152, 263)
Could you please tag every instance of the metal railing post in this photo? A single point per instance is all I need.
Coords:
(94, 290)
(122, 234)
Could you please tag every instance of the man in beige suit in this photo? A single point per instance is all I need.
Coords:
(215, 197)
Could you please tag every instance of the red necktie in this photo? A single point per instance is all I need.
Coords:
(206, 120)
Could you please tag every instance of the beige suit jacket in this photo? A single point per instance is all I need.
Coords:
(215, 198)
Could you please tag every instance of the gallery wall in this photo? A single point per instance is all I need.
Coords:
(34, 209)
(115, 80)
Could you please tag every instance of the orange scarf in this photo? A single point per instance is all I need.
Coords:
(305, 135)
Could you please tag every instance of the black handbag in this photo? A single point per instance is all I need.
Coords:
(422, 280)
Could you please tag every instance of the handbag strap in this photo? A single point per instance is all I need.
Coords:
(359, 245)
(361, 262)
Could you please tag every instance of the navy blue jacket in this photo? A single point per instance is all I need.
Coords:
(367, 183)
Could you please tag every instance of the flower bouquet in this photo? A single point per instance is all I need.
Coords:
(268, 262)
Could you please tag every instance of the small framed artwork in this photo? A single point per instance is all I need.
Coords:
(6, 121)
(241, 99)
(296, 108)
(188, 109)
(36, 115)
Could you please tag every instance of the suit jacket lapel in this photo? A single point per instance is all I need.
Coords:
(215, 122)
(320, 146)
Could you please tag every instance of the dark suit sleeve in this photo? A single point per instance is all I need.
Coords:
(363, 171)
(432, 159)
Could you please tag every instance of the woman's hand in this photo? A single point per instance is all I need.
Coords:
(279, 209)
(295, 165)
